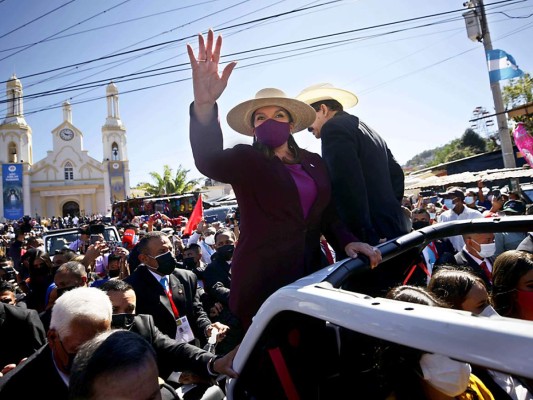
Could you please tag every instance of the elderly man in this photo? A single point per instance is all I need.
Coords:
(478, 254)
(77, 317)
(454, 202)
(367, 182)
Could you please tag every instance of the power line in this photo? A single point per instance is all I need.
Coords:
(109, 25)
(64, 30)
(36, 19)
(254, 21)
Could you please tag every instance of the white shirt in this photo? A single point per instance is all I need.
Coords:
(207, 251)
(450, 215)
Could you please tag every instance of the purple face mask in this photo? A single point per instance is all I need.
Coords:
(273, 133)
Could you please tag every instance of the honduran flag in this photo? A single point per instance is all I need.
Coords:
(502, 66)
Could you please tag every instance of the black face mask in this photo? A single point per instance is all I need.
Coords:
(114, 273)
(189, 263)
(420, 224)
(61, 291)
(166, 263)
(226, 251)
(122, 321)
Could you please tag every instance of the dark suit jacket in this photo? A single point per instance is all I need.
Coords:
(21, 333)
(277, 244)
(462, 258)
(367, 182)
(171, 355)
(151, 299)
(35, 378)
(217, 279)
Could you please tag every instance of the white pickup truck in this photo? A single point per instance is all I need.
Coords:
(316, 338)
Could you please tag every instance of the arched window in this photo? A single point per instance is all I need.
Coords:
(69, 172)
(12, 152)
(114, 151)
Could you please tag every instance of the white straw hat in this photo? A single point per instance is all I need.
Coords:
(240, 117)
(326, 91)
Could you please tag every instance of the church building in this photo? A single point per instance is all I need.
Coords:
(67, 181)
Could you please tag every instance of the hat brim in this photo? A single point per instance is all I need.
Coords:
(240, 117)
(346, 98)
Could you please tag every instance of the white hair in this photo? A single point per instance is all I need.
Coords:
(83, 302)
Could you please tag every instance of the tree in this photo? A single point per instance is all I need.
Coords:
(167, 183)
(473, 140)
(519, 91)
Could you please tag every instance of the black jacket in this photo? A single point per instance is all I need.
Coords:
(151, 299)
(35, 378)
(367, 182)
(171, 355)
(217, 279)
(21, 333)
(463, 259)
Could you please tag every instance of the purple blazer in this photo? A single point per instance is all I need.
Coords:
(277, 245)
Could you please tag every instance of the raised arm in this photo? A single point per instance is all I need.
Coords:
(208, 84)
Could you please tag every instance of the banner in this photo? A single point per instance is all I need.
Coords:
(116, 180)
(12, 186)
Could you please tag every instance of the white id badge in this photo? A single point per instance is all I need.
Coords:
(184, 331)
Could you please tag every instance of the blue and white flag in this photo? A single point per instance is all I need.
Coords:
(502, 66)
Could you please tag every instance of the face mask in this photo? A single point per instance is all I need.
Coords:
(444, 374)
(166, 263)
(420, 224)
(113, 273)
(489, 311)
(122, 321)
(448, 203)
(525, 302)
(189, 263)
(273, 133)
(226, 251)
(486, 250)
(71, 357)
(469, 200)
(432, 215)
(210, 240)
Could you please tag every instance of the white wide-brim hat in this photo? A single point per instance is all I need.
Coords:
(240, 117)
(326, 91)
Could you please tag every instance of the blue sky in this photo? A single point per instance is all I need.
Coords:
(417, 85)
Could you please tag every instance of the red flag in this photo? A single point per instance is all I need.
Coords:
(196, 216)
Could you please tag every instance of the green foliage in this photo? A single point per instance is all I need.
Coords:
(518, 92)
(470, 144)
(167, 183)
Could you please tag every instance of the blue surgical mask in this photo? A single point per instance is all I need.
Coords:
(448, 203)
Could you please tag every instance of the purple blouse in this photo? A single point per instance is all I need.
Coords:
(306, 186)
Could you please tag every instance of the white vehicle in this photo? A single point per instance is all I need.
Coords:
(316, 338)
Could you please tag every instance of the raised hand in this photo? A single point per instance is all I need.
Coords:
(208, 84)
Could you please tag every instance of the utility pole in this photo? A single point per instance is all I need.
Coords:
(478, 30)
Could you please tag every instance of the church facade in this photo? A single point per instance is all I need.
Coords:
(68, 181)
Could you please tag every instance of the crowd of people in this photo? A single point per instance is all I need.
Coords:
(183, 303)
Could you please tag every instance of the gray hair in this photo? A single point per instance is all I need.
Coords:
(83, 302)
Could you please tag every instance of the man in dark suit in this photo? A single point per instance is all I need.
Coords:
(21, 334)
(367, 182)
(477, 254)
(171, 355)
(168, 294)
(77, 317)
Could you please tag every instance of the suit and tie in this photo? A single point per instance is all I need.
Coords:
(481, 270)
(152, 299)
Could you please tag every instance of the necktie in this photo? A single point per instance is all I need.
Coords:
(164, 283)
(327, 251)
(486, 270)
